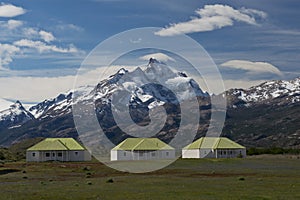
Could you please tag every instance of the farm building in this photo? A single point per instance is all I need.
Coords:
(60, 149)
(142, 149)
(213, 147)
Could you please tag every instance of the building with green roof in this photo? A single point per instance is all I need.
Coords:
(213, 147)
(60, 149)
(142, 149)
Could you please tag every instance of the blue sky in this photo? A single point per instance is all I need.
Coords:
(42, 43)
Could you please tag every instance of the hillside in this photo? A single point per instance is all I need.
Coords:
(267, 115)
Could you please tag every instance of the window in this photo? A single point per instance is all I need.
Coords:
(59, 154)
(47, 154)
(124, 153)
(33, 154)
(76, 153)
(141, 153)
(53, 154)
(153, 154)
(167, 153)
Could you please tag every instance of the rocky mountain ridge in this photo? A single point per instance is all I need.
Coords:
(263, 115)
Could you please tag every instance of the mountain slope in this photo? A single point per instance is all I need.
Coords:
(144, 86)
(14, 116)
(265, 115)
(262, 116)
(282, 92)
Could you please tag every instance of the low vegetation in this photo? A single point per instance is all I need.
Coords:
(256, 177)
(272, 150)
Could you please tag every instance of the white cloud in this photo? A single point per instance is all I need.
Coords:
(159, 56)
(30, 32)
(9, 10)
(37, 89)
(4, 104)
(136, 41)
(34, 89)
(10, 24)
(252, 67)
(35, 33)
(7, 51)
(43, 47)
(68, 27)
(212, 17)
(46, 36)
(254, 12)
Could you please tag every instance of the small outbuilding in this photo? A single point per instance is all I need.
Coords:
(142, 149)
(57, 149)
(214, 147)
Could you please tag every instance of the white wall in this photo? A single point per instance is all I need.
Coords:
(230, 153)
(190, 153)
(141, 155)
(33, 156)
(208, 153)
(197, 153)
(40, 156)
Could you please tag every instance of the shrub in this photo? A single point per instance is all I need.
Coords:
(89, 183)
(110, 180)
(272, 150)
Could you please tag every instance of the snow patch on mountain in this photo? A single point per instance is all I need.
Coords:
(268, 91)
(41, 108)
(15, 115)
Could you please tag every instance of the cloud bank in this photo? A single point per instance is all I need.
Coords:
(213, 17)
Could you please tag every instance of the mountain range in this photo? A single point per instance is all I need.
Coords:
(266, 115)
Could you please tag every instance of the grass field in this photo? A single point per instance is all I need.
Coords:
(260, 177)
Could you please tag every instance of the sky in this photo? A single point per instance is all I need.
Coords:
(43, 43)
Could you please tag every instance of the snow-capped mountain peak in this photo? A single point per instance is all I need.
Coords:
(287, 91)
(14, 116)
(143, 83)
(61, 100)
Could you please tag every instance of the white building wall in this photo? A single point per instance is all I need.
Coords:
(33, 156)
(76, 155)
(190, 153)
(87, 156)
(141, 155)
(206, 153)
(230, 153)
(218, 153)
(41, 156)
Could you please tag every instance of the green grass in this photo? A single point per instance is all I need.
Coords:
(265, 177)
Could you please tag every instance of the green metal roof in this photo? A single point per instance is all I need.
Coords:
(57, 144)
(214, 143)
(134, 144)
